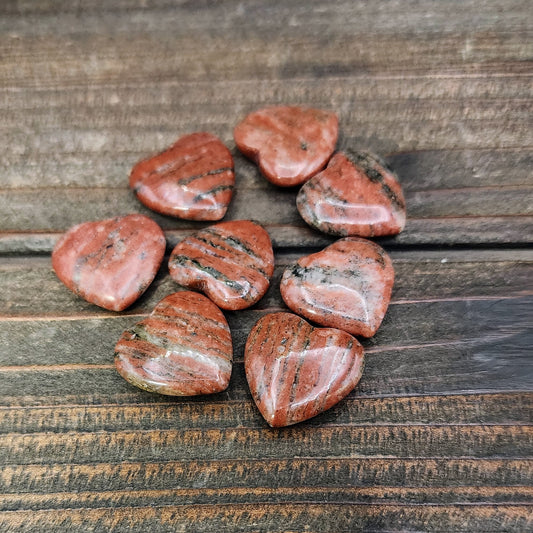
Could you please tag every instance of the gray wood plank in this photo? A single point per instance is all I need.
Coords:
(167, 15)
(323, 472)
(486, 409)
(449, 368)
(364, 88)
(266, 495)
(386, 113)
(404, 441)
(303, 516)
(118, 58)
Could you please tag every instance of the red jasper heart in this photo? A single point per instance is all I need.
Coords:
(182, 349)
(296, 371)
(193, 179)
(347, 285)
(357, 194)
(110, 263)
(290, 144)
(231, 262)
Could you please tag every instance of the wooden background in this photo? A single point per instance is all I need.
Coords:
(438, 435)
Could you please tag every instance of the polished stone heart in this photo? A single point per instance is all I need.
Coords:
(111, 262)
(290, 144)
(347, 285)
(296, 371)
(182, 349)
(357, 194)
(193, 179)
(231, 262)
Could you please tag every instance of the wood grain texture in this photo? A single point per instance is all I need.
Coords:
(354, 495)
(366, 472)
(437, 435)
(343, 517)
(473, 409)
(207, 15)
(117, 58)
(248, 443)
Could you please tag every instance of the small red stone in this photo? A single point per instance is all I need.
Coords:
(231, 262)
(296, 371)
(357, 194)
(111, 262)
(193, 179)
(182, 349)
(290, 144)
(347, 285)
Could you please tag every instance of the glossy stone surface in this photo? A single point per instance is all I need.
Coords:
(111, 262)
(290, 144)
(231, 262)
(296, 371)
(193, 179)
(357, 194)
(347, 285)
(182, 349)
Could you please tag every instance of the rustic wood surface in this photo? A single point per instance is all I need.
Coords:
(438, 434)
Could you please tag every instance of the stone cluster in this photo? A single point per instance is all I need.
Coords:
(295, 370)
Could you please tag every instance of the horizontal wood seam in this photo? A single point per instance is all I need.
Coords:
(260, 428)
(274, 460)
(337, 503)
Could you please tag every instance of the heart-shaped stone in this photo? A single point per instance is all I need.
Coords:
(182, 349)
(357, 194)
(231, 262)
(290, 144)
(111, 262)
(347, 285)
(193, 179)
(296, 371)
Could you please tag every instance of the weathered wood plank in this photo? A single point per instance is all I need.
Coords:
(309, 517)
(486, 409)
(225, 496)
(117, 58)
(148, 117)
(364, 88)
(213, 474)
(166, 15)
(475, 326)
(405, 441)
(449, 368)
